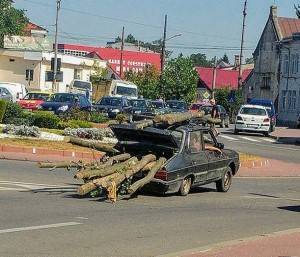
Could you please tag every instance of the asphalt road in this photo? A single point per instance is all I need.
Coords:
(257, 144)
(41, 215)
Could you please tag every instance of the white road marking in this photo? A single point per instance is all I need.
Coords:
(228, 137)
(249, 139)
(272, 140)
(22, 186)
(11, 230)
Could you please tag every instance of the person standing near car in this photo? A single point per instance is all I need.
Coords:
(215, 115)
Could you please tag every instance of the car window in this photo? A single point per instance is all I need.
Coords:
(221, 108)
(253, 111)
(207, 138)
(177, 135)
(195, 142)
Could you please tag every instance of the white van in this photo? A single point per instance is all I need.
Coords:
(17, 90)
(81, 87)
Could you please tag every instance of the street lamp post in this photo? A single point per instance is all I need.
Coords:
(55, 50)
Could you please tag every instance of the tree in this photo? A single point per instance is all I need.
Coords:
(200, 60)
(249, 60)
(12, 21)
(179, 79)
(225, 58)
(297, 8)
(148, 82)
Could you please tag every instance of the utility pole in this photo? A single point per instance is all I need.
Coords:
(214, 78)
(54, 86)
(240, 82)
(163, 49)
(121, 60)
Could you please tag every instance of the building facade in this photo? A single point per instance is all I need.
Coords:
(263, 82)
(289, 89)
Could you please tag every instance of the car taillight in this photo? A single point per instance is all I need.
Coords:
(162, 174)
(266, 120)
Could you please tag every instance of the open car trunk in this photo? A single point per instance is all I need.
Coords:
(148, 140)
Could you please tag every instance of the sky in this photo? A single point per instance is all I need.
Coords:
(210, 27)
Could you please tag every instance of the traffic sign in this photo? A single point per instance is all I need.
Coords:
(231, 97)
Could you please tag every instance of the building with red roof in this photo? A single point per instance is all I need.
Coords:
(224, 78)
(264, 82)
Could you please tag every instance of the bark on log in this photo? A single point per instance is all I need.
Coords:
(104, 147)
(148, 166)
(210, 119)
(102, 172)
(140, 165)
(92, 185)
(172, 118)
(143, 124)
(63, 164)
(140, 183)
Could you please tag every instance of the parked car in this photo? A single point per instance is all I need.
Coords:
(195, 107)
(270, 108)
(160, 107)
(113, 105)
(5, 94)
(253, 118)
(186, 165)
(17, 90)
(140, 107)
(177, 105)
(62, 102)
(222, 113)
(31, 100)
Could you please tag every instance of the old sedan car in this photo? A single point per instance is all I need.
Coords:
(62, 102)
(31, 100)
(194, 156)
(177, 105)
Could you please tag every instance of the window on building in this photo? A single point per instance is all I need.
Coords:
(289, 100)
(294, 99)
(267, 82)
(293, 65)
(284, 99)
(29, 75)
(286, 64)
(296, 63)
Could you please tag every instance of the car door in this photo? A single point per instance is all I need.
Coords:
(198, 158)
(215, 158)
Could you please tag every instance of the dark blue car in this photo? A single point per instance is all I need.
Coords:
(113, 105)
(177, 105)
(62, 102)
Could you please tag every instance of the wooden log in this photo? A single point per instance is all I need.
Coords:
(140, 183)
(62, 164)
(148, 166)
(143, 124)
(102, 172)
(104, 147)
(172, 118)
(136, 168)
(92, 185)
(209, 119)
(90, 172)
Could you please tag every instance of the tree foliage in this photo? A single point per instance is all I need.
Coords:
(12, 21)
(200, 60)
(179, 79)
(225, 58)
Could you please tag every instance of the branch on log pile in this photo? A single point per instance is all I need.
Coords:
(92, 185)
(102, 172)
(108, 148)
(172, 118)
(143, 124)
(140, 183)
(63, 164)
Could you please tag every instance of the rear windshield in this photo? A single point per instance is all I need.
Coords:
(110, 101)
(253, 111)
(42, 96)
(62, 98)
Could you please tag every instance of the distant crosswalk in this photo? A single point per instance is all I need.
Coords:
(247, 138)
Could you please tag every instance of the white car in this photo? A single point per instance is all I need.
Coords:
(252, 118)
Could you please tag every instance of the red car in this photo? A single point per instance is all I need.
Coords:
(33, 99)
(196, 106)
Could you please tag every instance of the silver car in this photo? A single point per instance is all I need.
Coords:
(5, 94)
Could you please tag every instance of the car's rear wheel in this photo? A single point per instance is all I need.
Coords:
(185, 186)
(224, 183)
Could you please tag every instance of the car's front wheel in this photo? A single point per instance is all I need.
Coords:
(224, 183)
(185, 186)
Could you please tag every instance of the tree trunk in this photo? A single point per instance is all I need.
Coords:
(136, 168)
(140, 183)
(105, 171)
(63, 164)
(172, 118)
(104, 147)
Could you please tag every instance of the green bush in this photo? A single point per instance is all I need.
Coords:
(13, 110)
(66, 124)
(74, 124)
(75, 113)
(121, 118)
(98, 117)
(3, 106)
(45, 120)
